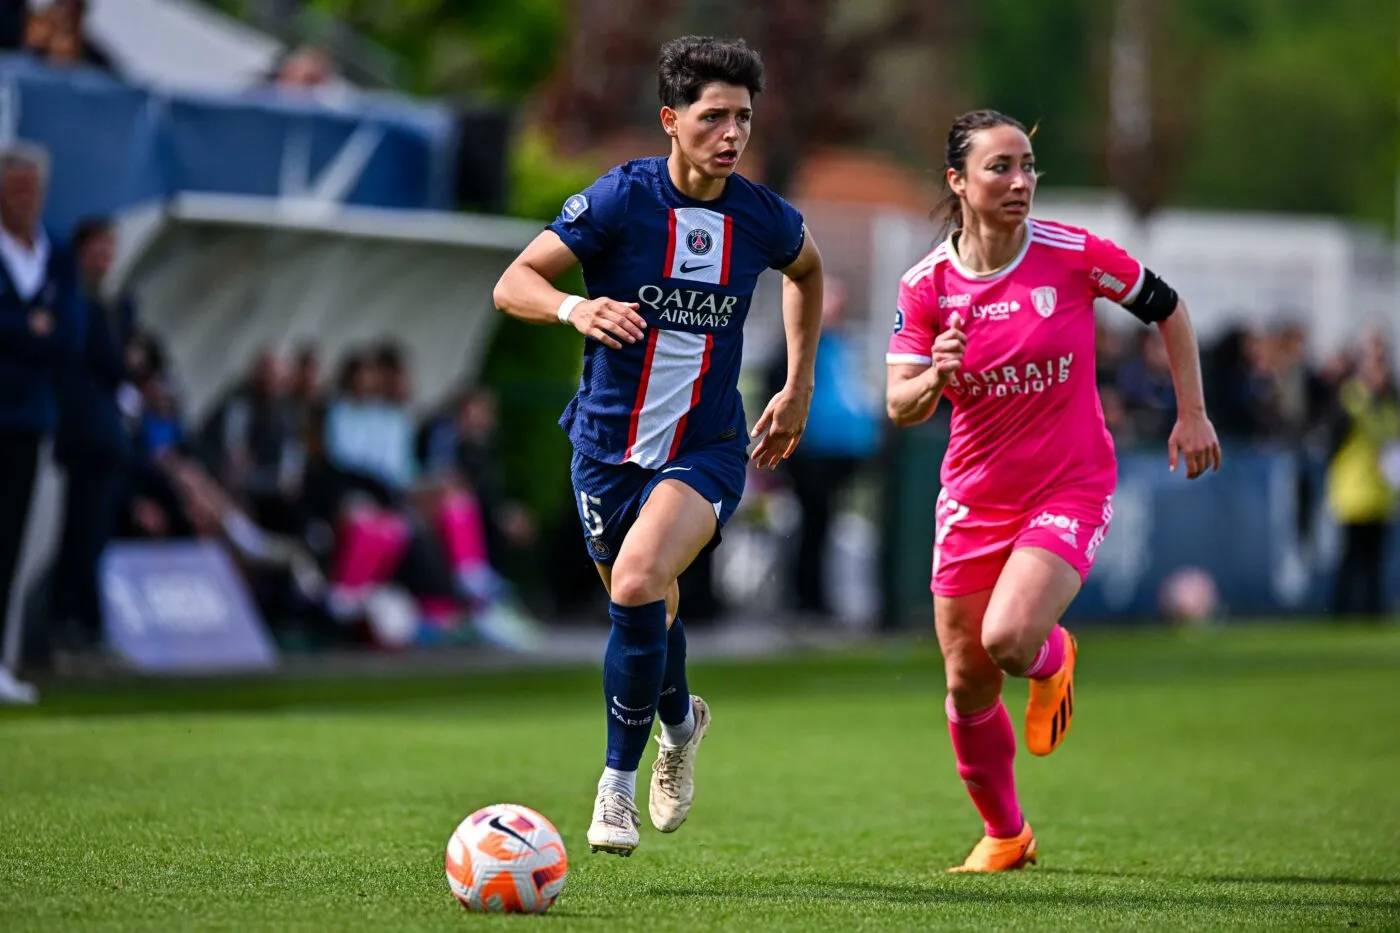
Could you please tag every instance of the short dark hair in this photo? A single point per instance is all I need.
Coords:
(691, 62)
(89, 229)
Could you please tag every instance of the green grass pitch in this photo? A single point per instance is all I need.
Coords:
(1225, 778)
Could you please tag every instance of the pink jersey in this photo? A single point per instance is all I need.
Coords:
(1026, 413)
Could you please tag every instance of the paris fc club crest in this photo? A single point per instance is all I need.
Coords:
(1044, 300)
(699, 241)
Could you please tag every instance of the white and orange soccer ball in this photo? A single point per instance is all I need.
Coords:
(506, 859)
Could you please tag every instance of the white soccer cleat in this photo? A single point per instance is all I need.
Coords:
(15, 692)
(615, 822)
(673, 774)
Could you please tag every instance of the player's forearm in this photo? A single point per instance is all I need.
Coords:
(802, 324)
(913, 400)
(1185, 357)
(525, 294)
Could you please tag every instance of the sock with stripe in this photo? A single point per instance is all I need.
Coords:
(985, 745)
(1050, 658)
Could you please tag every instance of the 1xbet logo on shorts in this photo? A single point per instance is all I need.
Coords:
(1066, 526)
(1062, 522)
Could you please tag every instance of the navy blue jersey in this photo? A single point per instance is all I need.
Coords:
(692, 267)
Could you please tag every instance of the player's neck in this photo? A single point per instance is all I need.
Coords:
(985, 250)
(691, 182)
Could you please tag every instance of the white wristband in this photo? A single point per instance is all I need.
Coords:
(566, 307)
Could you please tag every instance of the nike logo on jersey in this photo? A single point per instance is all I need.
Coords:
(688, 267)
(677, 469)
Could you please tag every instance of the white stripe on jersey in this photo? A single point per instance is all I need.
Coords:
(700, 246)
(1057, 243)
(1132, 294)
(924, 267)
(1054, 229)
(893, 358)
(676, 362)
(1056, 236)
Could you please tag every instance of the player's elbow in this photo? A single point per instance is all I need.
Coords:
(500, 295)
(899, 413)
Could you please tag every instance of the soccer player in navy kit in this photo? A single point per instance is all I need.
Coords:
(671, 249)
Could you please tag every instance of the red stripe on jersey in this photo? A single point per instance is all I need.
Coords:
(695, 390)
(728, 239)
(646, 377)
(670, 250)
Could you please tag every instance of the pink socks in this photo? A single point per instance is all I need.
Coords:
(985, 745)
(1051, 656)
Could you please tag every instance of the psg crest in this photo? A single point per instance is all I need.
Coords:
(1044, 300)
(599, 548)
(699, 241)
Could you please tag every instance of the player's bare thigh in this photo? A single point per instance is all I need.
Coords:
(1032, 593)
(974, 680)
(674, 525)
(673, 595)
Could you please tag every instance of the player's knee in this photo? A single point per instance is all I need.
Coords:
(638, 582)
(1008, 648)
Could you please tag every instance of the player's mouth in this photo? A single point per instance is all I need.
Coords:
(1016, 206)
(727, 157)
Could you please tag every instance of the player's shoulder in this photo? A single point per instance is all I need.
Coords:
(922, 271)
(758, 195)
(1060, 236)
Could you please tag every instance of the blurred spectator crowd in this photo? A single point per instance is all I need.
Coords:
(351, 520)
(1339, 414)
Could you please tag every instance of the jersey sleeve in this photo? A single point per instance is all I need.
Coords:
(1113, 273)
(590, 220)
(915, 324)
(789, 235)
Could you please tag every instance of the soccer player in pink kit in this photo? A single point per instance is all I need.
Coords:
(1000, 318)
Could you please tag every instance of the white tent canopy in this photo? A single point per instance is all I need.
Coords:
(218, 277)
(180, 45)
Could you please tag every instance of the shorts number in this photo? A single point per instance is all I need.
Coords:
(955, 512)
(592, 521)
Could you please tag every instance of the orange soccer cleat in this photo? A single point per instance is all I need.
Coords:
(993, 854)
(1050, 709)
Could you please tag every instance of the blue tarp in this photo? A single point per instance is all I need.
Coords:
(115, 146)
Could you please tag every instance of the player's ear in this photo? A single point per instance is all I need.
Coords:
(669, 120)
(957, 183)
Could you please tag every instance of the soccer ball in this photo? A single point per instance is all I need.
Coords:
(506, 859)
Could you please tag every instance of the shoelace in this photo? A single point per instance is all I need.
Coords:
(668, 769)
(619, 811)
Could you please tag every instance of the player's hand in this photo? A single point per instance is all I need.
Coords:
(1193, 439)
(785, 420)
(608, 321)
(948, 349)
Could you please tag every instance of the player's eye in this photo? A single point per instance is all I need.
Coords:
(745, 117)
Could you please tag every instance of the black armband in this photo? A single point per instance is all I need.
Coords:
(1155, 300)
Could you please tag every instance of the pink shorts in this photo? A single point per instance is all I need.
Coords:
(972, 543)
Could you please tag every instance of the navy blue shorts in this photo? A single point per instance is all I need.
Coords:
(609, 496)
